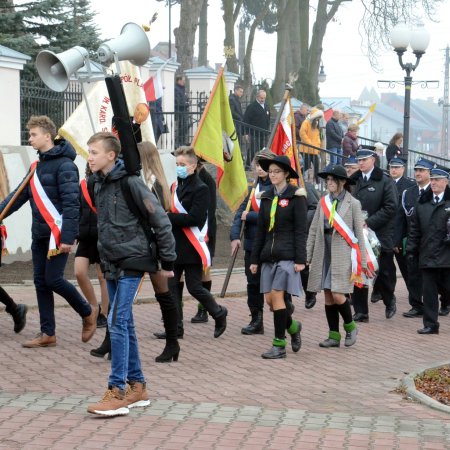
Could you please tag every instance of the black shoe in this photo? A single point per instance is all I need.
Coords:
(429, 330)
(413, 312)
(360, 317)
(256, 325)
(104, 349)
(390, 311)
(375, 297)
(162, 335)
(443, 311)
(221, 322)
(20, 317)
(102, 321)
(275, 353)
(201, 316)
(170, 352)
(310, 300)
(296, 339)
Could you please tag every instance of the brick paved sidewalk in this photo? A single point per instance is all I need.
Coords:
(221, 394)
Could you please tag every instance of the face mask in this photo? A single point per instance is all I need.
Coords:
(182, 172)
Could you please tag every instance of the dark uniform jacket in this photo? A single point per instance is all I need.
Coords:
(193, 194)
(378, 198)
(251, 219)
(287, 240)
(236, 112)
(429, 230)
(400, 229)
(59, 177)
(409, 200)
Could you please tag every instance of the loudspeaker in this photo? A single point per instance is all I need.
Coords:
(55, 69)
(132, 45)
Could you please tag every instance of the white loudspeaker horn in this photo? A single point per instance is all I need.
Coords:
(55, 69)
(132, 45)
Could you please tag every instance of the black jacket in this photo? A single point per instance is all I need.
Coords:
(257, 116)
(59, 177)
(409, 201)
(287, 240)
(429, 230)
(400, 229)
(251, 219)
(378, 198)
(206, 177)
(334, 134)
(193, 194)
(121, 238)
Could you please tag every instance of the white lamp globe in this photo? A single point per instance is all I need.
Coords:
(420, 38)
(400, 36)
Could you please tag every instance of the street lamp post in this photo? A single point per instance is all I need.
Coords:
(401, 38)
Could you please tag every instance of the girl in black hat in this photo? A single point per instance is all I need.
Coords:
(280, 247)
(335, 253)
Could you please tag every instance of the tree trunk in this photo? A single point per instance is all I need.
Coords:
(281, 56)
(203, 35)
(251, 37)
(230, 16)
(185, 33)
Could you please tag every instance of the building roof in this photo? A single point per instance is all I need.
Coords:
(10, 53)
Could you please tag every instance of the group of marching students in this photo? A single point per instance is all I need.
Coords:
(295, 243)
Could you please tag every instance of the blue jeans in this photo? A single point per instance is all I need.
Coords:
(125, 361)
(48, 274)
(335, 159)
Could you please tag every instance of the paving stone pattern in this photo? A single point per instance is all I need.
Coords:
(221, 394)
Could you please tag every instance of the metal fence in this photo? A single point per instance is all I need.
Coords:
(38, 99)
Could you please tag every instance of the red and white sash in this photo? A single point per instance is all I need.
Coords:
(48, 211)
(3, 235)
(342, 228)
(195, 236)
(86, 195)
(256, 202)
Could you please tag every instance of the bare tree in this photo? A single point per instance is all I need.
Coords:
(231, 10)
(185, 32)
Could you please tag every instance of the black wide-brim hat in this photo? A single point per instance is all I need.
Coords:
(335, 171)
(281, 161)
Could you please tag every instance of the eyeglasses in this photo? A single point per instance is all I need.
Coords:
(275, 171)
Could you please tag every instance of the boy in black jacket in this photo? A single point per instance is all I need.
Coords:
(126, 255)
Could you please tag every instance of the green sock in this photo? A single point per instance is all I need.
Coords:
(335, 335)
(279, 342)
(350, 326)
(200, 307)
(294, 327)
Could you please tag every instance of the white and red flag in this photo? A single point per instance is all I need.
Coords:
(153, 87)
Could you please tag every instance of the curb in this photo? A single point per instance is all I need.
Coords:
(413, 393)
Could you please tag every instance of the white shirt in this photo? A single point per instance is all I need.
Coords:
(441, 195)
(368, 174)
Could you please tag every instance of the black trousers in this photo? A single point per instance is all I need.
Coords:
(414, 284)
(254, 298)
(434, 281)
(384, 284)
(193, 281)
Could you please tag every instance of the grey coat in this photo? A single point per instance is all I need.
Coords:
(341, 265)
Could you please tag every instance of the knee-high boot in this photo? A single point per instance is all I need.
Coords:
(176, 299)
(170, 318)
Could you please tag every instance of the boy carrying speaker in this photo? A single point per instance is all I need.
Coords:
(125, 256)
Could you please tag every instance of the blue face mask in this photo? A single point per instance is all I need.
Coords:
(182, 172)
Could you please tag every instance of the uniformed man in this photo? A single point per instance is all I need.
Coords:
(422, 170)
(397, 171)
(377, 193)
(428, 241)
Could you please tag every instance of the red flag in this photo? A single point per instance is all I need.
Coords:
(153, 87)
(283, 141)
(328, 114)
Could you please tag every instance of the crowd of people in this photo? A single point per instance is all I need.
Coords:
(297, 242)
